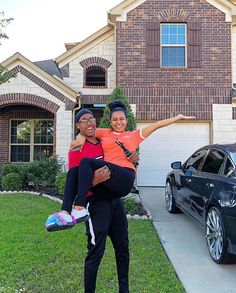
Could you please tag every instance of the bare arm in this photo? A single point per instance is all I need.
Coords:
(100, 175)
(162, 123)
(78, 142)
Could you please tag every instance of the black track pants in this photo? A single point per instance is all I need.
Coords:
(71, 189)
(107, 218)
(119, 184)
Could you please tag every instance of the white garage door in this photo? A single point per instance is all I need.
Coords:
(175, 142)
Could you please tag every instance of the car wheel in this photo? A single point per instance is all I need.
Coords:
(216, 236)
(170, 200)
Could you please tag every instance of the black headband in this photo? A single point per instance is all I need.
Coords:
(81, 113)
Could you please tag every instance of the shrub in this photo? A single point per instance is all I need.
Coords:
(43, 172)
(10, 168)
(19, 168)
(60, 182)
(130, 205)
(11, 181)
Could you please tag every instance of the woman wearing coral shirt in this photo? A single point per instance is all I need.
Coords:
(122, 170)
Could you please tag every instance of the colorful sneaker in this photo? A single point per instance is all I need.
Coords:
(57, 222)
(80, 216)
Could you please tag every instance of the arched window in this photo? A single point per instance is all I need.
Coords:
(95, 76)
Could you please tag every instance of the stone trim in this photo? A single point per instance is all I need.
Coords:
(44, 86)
(21, 98)
(173, 15)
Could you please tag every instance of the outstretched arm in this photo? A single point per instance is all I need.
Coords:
(162, 123)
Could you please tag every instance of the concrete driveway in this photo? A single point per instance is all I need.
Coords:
(184, 243)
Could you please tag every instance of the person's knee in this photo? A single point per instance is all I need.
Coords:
(94, 257)
(85, 161)
(122, 247)
(72, 171)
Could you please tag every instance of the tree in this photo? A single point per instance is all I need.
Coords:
(5, 75)
(4, 23)
(118, 94)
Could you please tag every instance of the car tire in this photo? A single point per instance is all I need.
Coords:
(216, 237)
(170, 200)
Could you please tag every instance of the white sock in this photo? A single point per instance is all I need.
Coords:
(79, 214)
(66, 217)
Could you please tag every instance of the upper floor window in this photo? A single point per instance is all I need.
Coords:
(173, 45)
(31, 139)
(95, 76)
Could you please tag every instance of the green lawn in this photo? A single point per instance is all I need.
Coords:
(33, 260)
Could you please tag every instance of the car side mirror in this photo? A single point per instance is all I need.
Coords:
(176, 165)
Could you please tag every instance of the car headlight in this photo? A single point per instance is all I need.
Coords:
(228, 199)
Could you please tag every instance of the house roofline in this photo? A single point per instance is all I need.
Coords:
(119, 12)
(63, 59)
(226, 6)
(11, 62)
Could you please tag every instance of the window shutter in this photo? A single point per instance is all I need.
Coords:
(194, 44)
(153, 44)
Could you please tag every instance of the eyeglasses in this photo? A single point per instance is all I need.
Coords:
(85, 121)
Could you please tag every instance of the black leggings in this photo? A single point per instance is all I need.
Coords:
(119, 184)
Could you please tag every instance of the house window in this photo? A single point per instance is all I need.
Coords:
(173, 45)
(95, 76)
(31, 139)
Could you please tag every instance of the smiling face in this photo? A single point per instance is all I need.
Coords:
(87, 125)
(118, 121)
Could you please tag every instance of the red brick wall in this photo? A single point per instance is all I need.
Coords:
(16, 111)
(162, 92)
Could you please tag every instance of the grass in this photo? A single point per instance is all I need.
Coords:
(33, 260)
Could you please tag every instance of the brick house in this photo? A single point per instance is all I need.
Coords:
(170, 57)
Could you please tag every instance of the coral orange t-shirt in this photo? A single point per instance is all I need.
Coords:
(112, 152)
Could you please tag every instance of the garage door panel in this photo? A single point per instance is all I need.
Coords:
(172, 143)
(149, 162)
(151, 177)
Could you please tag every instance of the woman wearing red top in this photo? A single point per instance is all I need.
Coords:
(122, 170)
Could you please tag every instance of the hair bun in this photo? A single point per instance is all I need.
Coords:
(117, 104)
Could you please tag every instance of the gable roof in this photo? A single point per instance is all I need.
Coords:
(226, 6)
(85, 45)
(120, 11)
(51, 79)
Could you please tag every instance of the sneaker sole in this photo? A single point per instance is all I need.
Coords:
(53, 228)
(84, 219)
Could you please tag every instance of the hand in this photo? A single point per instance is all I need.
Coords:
(78, 142)
(134, 157)
(182, 117)
(101, 175)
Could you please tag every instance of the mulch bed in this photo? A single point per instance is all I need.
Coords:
(139, 210)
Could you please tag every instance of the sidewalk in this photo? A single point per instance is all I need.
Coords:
(184, 243)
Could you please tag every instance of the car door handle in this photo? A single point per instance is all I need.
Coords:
(211, 185)
(188, 180)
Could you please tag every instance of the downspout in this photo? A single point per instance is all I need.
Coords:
(78, 100)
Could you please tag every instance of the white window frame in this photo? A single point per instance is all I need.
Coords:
(173, 45)
(31, 144)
